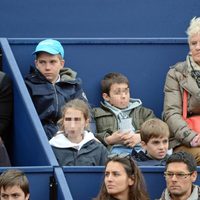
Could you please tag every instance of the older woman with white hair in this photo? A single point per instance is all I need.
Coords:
(184, 79)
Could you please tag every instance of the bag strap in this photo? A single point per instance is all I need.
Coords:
(185, 98)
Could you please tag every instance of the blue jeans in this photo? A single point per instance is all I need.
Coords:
(118, 149)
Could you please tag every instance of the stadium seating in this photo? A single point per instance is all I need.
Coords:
(113, 52)
(138, 38)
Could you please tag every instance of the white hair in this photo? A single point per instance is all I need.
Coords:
(194, 27)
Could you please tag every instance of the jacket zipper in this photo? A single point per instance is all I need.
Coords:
(56, 97)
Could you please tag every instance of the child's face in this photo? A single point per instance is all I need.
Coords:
(74, 123)
(13, 193)
(119, 95)
(156, 147)
(49, 65)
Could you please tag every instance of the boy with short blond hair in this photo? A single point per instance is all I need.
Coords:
(119, 118)
(51, 85)
(155, 142)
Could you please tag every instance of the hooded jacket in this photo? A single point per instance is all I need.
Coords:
(107, 122)
(179, 79)
(49, 98)
(88, 152)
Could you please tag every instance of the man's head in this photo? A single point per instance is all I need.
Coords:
(180, 173)
(14, 185)
(115, 90)
(49, 59)
(155, 138)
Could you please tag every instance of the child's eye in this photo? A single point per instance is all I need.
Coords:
(53, 61)
(15, 196)
(4, 196)
(77, 119)
(126, 90)
(165, 141)
(155, 142)
(42, 62)
(68, 119)
(117, 92)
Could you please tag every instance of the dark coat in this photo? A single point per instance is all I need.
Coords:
(91, 153)
(6, 103)
(106, 121)
(142, 159)
(6, 111)
(49, 98)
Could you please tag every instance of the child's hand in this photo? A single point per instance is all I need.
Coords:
(131, 139)
(115, 138)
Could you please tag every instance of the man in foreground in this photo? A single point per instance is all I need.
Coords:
(180, 174)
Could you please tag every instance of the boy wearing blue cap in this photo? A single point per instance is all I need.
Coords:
(51, 85)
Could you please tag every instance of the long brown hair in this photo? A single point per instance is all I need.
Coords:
(137, 191)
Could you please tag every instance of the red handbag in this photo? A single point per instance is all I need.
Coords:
(193, 122)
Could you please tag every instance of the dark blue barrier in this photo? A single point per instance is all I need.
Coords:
(96, 18)
(63, 191)
(85, 182)
(29, 142)
(144, 61)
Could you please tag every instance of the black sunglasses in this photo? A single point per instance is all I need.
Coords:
(122, 155)
(127, 156)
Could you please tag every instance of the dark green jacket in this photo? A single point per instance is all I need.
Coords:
(106, 121)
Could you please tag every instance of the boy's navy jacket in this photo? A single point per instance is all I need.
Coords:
(49, 98)
(142, 159)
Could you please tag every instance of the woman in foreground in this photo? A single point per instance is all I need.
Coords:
(123, 180)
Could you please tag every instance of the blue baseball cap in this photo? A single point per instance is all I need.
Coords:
(50, 46)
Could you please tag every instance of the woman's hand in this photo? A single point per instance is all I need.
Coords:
(195, 141)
